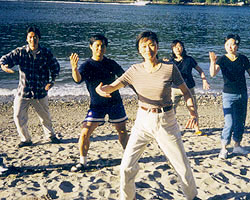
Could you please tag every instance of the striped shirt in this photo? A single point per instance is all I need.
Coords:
(34, 70)
(153, 89)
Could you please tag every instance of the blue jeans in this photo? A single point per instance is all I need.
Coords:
(235, 111)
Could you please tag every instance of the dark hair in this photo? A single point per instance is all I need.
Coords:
(33, 29)
(174, 43)
(98, 37)
(236, 37)
(146, 34)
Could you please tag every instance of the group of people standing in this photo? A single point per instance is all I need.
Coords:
(159, 84)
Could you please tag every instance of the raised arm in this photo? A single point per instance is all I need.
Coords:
(106, 90)
(74, 58)
(214, 68)
(205, 83)
(193, 121)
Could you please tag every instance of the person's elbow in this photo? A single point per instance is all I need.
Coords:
(76, 80)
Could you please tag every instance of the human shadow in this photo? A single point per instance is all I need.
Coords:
(61, 141)
(205, 131)
(227, 196)
(92, 166)
(47, 169)
(103, 138)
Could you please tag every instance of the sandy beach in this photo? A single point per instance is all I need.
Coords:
(42, 171)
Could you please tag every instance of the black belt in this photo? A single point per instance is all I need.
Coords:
(157, 110)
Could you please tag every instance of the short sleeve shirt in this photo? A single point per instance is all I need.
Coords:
(234, 73)
(185, 66)
(105, 71)
(153, 89)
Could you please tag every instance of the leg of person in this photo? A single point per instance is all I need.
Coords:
(94, 118)
(129, 165)
(21, 107)
(169, 139)
(118, 117)
(196, 128)
(239, 115)
(42, 108)
(83, 144)
(228, 100)
(87, 130)
(123, 134)
(176, 95)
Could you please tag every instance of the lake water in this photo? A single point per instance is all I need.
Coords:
(66, 27)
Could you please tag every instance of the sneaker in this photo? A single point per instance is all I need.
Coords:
(223, 154)
(77, 168)
(198, 133)
(24, 144)
(54, 140)
(240, 150)
(3, 169)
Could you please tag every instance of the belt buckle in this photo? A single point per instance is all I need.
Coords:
(154, 110)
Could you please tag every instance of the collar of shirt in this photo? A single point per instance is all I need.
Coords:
(30, 51)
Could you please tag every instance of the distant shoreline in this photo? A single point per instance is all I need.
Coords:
(158, 2)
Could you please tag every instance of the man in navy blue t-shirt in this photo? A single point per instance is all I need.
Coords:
(94, 70)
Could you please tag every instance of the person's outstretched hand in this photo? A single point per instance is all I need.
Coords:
(100, 89)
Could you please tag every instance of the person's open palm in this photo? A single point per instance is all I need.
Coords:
(74, 58)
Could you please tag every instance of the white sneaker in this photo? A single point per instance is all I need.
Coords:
(240, 150)
(77, 167)
(223, 154)
(3, 169)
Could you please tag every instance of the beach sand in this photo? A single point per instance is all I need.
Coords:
(42, 171)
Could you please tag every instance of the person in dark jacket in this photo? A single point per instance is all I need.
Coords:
(38, 69)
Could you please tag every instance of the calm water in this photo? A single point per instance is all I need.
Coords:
(66, 28)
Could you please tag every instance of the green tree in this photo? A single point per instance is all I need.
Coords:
(176, 1)
(222, 1)
(209, 1)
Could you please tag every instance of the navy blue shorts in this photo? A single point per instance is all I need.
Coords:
(116, 114)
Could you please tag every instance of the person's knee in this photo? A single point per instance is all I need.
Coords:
(128, 171)
(20, 119)
(87, 129)
(124, 170)
(85, 135)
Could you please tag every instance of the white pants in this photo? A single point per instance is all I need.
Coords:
(21, 107)
(164, 129)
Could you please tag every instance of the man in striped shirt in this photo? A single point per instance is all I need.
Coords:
(37, 72)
